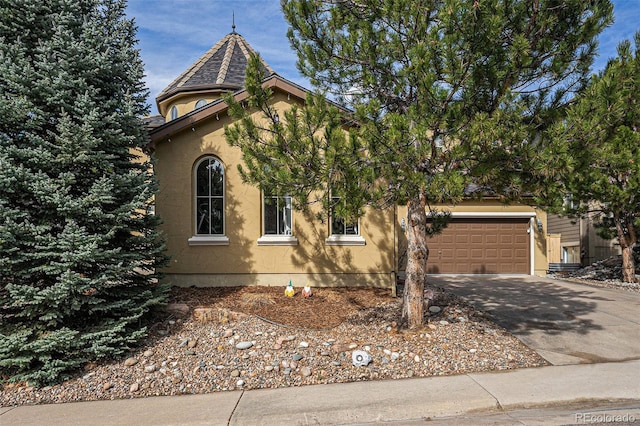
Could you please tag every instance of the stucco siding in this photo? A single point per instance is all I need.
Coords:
(243, 261)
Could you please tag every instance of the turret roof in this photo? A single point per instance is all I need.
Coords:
(222, 67)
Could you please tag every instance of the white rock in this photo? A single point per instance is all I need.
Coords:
(435, 309)
(303, 344)
(244, 345)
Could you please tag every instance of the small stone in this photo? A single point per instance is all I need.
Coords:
(293, 365)
(134, 387)
(416, 358)
(444, 322)
(277, 347)
(107, 386)
(387, 352)
(335, 363)
(303, 344)
(280, 340)
(285, 364)
(192, 343)
(148, 353)
(150, 368)
(394, 356)
(473, 351)
(325, 353)
(291, 337)
(240, 382)
(180, 309)
(190, 352)
(235, 373)
(184, 342)
(130, 361)
(286, 371)
(244, 345)
(435, 309)
(268, 368)
(162, 332)
(227, 333)
(296, 357)
(305, 371)
(353, 345)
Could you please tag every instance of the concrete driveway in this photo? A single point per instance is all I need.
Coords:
(566, 323)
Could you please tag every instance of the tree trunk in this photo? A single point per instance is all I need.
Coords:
(627, 241)
(417, 254)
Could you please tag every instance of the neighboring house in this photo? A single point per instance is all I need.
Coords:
(222, 232)
(576, 241)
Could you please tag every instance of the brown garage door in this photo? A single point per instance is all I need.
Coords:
(481, 246)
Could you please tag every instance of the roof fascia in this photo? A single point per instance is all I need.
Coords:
(173, 127)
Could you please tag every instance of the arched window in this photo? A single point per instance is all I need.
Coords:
(209, 208)
(200, 103)
(174, 112)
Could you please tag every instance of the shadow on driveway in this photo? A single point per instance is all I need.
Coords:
(564, 322)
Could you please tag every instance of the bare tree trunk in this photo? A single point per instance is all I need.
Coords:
(627, 240)
(417, 254)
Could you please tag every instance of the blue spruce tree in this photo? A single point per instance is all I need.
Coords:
(79, 252)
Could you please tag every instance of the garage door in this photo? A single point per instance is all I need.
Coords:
(481, 246)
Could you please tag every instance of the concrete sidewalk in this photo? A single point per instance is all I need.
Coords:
(410, 401)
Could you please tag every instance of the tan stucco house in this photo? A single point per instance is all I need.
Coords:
(222, 232)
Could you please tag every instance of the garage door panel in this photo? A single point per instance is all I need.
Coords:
(481, 246)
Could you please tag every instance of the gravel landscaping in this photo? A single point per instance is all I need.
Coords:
(213, 340)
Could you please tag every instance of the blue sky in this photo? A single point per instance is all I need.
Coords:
(175, 33)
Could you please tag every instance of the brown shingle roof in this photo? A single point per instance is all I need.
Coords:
(221, 67)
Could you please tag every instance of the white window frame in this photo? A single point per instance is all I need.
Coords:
(173, 114)
(286, 239)
(208, 239)
(344, 239)
(200, 103)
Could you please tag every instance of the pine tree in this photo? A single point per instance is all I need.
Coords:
(445, 94)
(600, 145)
(78, 249)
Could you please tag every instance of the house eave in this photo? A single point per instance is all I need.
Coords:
(167, 130)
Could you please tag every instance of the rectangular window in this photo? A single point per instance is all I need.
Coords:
(339, 226)
(343, 233)
(277, 221)
(277, 215)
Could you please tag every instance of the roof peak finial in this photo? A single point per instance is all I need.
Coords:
(233, 22)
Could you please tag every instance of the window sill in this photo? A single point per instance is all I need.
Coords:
(209, 240)
(345, 240)
(277, 240)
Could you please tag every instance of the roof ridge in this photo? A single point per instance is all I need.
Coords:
(247, 50)
(224, 67)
